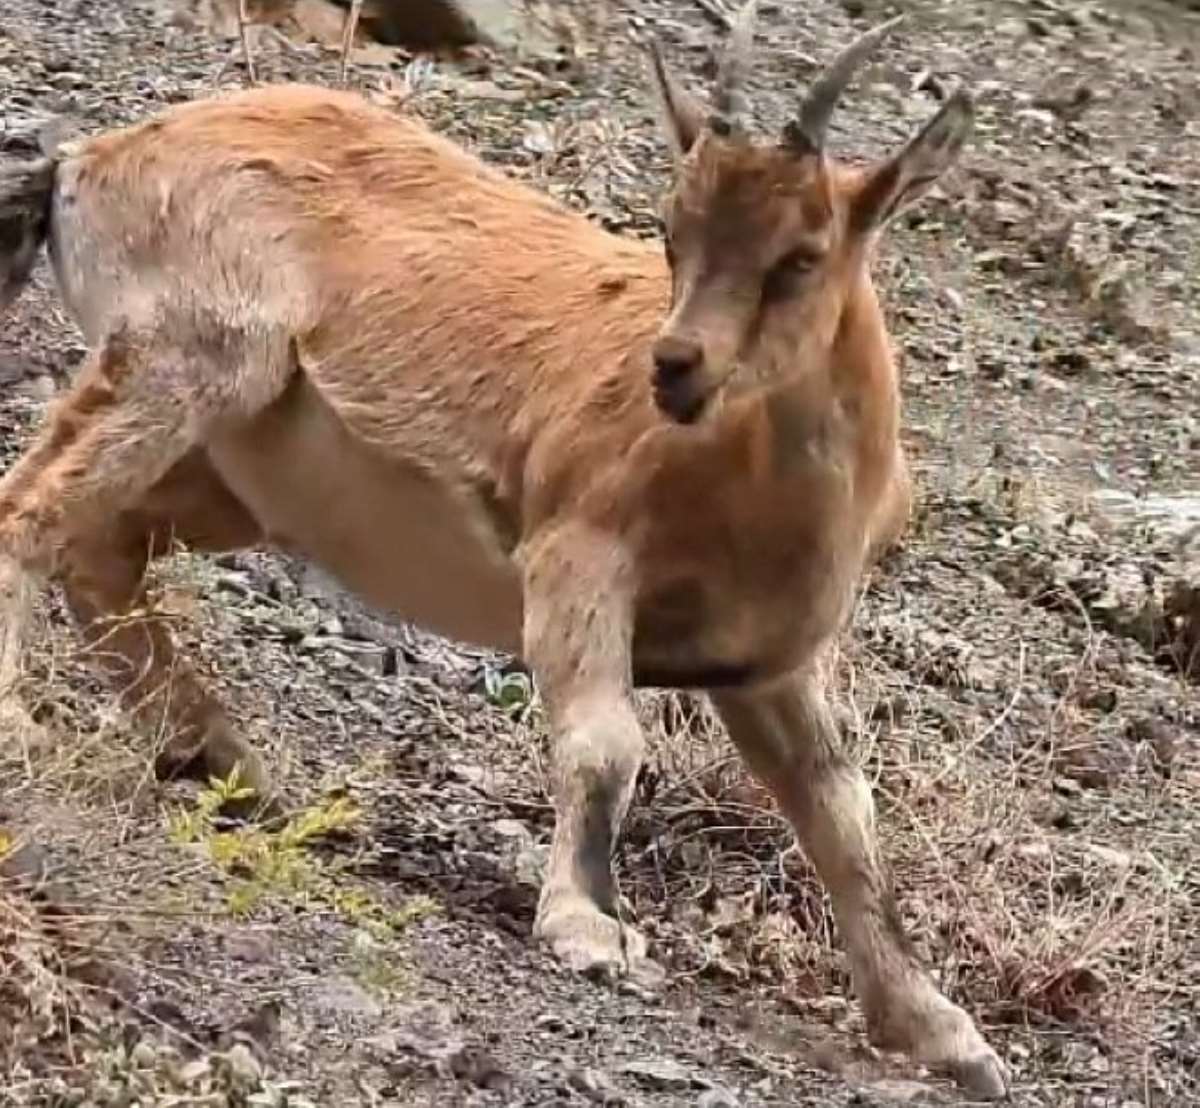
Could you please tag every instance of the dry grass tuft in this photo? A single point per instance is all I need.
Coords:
(40, 995)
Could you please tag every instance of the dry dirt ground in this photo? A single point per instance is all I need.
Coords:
(1019, 679)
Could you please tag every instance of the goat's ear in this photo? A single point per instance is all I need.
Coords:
(683, 114)
(908, 174)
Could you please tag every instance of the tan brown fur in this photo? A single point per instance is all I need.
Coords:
(318, 326)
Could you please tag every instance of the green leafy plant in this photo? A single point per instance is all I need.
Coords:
(513, 693)
(279, 864)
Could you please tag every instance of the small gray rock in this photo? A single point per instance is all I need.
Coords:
(716, 1097)
(661, 1074)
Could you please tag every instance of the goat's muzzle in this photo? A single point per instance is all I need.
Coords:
(680, 389)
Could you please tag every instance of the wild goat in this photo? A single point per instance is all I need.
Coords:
(321, 327)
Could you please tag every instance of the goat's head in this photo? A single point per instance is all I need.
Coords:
(766, 240)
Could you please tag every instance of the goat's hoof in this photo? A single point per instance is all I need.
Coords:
(174, 762)
(268, 809)
(595, 944)
(982, 1075)
(936, 1033)
(264, 804)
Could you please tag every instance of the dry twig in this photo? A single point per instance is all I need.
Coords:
(716, 13)
(244, 34)
(348, 32)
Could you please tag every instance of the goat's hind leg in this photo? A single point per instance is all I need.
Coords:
(18, 591)
(788, 737)
(139, 405)
(104, 578)
(141, 402)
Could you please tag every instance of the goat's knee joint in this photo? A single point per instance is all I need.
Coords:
(598, 759)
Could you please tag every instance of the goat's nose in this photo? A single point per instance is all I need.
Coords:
(675, 358)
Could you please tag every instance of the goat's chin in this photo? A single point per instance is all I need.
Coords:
(683, 409)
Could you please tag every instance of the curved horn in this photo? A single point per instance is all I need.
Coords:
(729, 101)
(807, 131)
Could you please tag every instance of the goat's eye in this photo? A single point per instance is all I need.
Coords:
(796, 263)
(783, 277)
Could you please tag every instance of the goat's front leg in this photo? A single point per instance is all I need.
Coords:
(788, 737)
(577, 641)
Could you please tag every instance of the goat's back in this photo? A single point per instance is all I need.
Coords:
(372, 241)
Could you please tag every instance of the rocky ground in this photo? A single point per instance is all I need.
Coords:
(1019, 679)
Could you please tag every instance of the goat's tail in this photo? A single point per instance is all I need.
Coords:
(26, 189)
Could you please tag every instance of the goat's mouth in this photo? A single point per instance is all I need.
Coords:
(681, 401)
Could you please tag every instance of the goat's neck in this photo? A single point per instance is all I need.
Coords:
(849, 404)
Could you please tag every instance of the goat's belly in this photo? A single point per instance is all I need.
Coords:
(398, 538)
